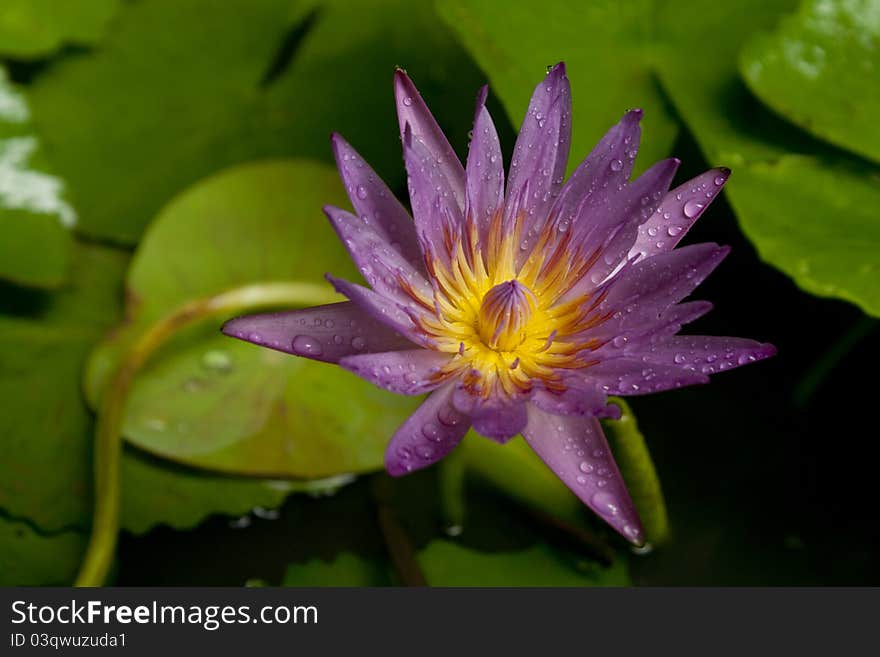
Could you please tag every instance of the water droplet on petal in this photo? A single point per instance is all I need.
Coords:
(616, 165)
(305, 345)
(692, 209)
(358, 343)
(606, 504)
(407, 101)
(674, 231)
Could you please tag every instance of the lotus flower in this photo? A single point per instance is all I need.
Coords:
(518, 307)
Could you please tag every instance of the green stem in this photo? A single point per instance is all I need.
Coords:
(819, 371)
(108, 432)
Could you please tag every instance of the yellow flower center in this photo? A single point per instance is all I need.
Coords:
(507, 324)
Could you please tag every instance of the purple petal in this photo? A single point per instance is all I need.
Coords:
(617, 224)
(641, 335)
(706, 354)
(607, 166)
(644, 291)
(381, 309)
(412, 111)
(436, 203)
(375, 204)
(541, 150)
(632, 376)
(499, 421)
(382, 266)
(408, 372)
(576, 399)
(325, 333)
(576, 450)
(678, 211)
(485, 169)
(427, 436)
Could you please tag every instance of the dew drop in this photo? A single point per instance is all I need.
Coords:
(719, 180)
(361, 192)
(217, 360)
(407, 101)
(692, 209)
(616, 165)
(358, 343)
(673, 231)
(305, 345)
(605, 503)
(432, 432)
(585, 467)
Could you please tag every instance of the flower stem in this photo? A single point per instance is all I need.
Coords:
(111, 414)
(819, 371)
(397, 541)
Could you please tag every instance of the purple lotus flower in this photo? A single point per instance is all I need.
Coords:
(519, 308)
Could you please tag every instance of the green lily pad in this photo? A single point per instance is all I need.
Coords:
(604, 45)
(28, 558)
(446, 563)
(209, 401)
(35, 218)
(45, 427)
(158, 493)
(804, 205)
(347, 569)
(187, 116)
(36, 28)
(819, 68)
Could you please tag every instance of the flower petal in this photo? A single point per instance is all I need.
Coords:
(541, 151)
(607, 166)
(411, 372)
(412, 111)
(427, 436)
(382, 266)
(643, 292)
(436, 203)
(382, 309)
(498, 420)
(632, 376)
(576, 399)
(375, 204)
(706, 354)
(576, 450)
(678, 211)
(485, 169)
(325, 333)
(616, 226)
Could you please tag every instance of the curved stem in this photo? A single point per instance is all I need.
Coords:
(108, 432)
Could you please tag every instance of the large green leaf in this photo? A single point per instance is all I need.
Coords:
(819, 68)
(803, 205)
(44, 424)
(216, 403)
(446, 563)
(34, 216)
(28, 558)
(157, 493)
(180, 90)
(35, 28)
(346, 569)
(604, 44)
(46, 429)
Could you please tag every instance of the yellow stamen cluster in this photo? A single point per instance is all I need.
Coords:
(508, 323)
